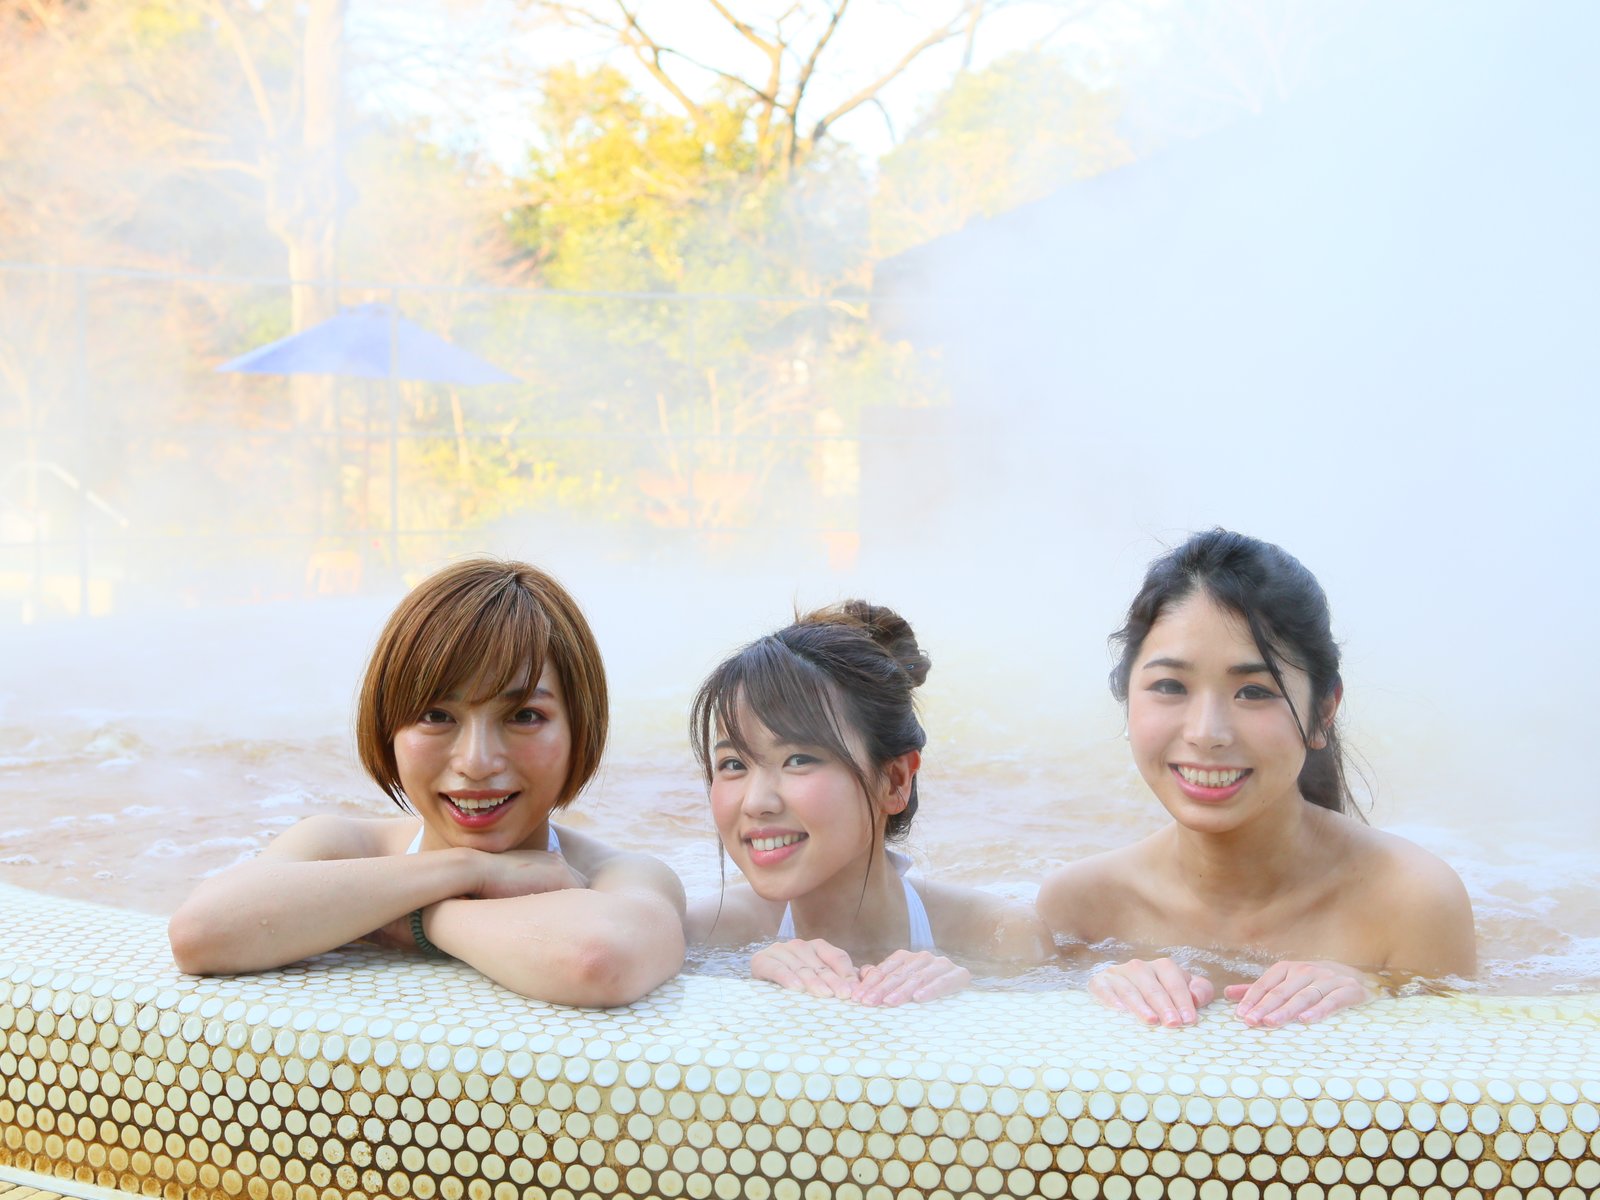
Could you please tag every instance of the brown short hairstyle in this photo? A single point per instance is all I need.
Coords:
(481, 622)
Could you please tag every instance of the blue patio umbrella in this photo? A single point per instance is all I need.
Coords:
(371, 341)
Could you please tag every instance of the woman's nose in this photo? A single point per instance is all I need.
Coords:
(1207, 722)
(761, 793)
(479, 748)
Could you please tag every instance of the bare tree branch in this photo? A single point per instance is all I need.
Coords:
(747, 30)
(934, 37)
(247, 65)
(835, 16)
(648, 51)
(773, 49)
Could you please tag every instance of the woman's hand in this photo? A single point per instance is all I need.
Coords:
(1157, 992)
(815, 967)
(522, 873)
(909, 975)
(1305, 991)
(499, 876)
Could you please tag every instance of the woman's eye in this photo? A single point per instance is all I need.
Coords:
(434, 716)
(1167, 687)
(801, 760)
(729, 766)
(527, 716)
(1254, 691)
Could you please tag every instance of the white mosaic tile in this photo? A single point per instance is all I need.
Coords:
(361, 1074)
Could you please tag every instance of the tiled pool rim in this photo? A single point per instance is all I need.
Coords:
(362, 1074)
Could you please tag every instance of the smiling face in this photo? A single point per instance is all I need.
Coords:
(1211, 731)
(487, 773)
(793, 818)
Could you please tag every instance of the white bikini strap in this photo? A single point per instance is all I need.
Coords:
(920, 932)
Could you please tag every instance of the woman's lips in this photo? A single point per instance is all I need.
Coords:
(476, 809)
(1209, 784)
(770, 847)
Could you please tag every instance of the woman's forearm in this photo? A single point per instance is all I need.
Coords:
(580, 946)
(266, 913)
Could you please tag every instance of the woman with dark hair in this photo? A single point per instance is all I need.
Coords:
(810, 745)
(1230, 678)
(483, 712)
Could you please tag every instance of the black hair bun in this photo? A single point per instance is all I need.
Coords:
(885, 627)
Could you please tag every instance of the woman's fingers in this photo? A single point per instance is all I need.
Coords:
(1112, 990)
(814, 967)
(512, 873)
(1176, 1001)
(877, 980)
(833, 959)
(1254, 992)
(1348, 993)
(1157, 992)
(1307, 991)
(908, 975)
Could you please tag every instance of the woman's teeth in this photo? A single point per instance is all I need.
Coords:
(1212, 778)
(477, 806)
(775, 843)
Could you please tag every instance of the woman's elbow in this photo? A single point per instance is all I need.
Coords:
(197, 948)
(614, 967)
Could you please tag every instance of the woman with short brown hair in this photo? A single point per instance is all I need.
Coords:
(483, 711)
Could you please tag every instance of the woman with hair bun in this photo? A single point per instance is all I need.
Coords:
(1230, 677)
(810, 745)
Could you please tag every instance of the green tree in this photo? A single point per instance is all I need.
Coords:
(998, 138)
(777, 81)
(627, 196)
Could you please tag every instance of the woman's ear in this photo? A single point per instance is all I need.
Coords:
(897, 776)
(1325, 714)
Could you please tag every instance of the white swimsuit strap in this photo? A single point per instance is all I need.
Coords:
(553, 844)
(921, 931)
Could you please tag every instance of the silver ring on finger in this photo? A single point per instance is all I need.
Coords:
(1318, 990)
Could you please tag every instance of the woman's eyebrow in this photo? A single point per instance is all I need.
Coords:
(1179, 664)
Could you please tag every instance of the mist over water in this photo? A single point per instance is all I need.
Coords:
(1359, 323)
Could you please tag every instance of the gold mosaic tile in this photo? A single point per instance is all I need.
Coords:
(364, 1075)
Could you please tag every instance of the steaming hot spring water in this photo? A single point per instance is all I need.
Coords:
(142, 752)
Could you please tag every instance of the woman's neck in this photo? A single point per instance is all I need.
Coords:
(1245, 868)
(862, 909)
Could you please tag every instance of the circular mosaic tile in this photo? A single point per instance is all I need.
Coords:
(360, 1074)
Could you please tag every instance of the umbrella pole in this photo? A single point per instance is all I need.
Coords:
(394, 430)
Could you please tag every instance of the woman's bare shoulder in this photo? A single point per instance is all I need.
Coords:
(588, 853)
(1414, 902)
(1397, 869)
(974, 923)
(1076, 899)
(1390, 864)
(584, 851)
(608, 868)
(325, 836)
(732, 916)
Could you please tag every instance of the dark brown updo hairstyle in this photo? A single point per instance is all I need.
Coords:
(1287, 614)
(846, 669)
(482, 624)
